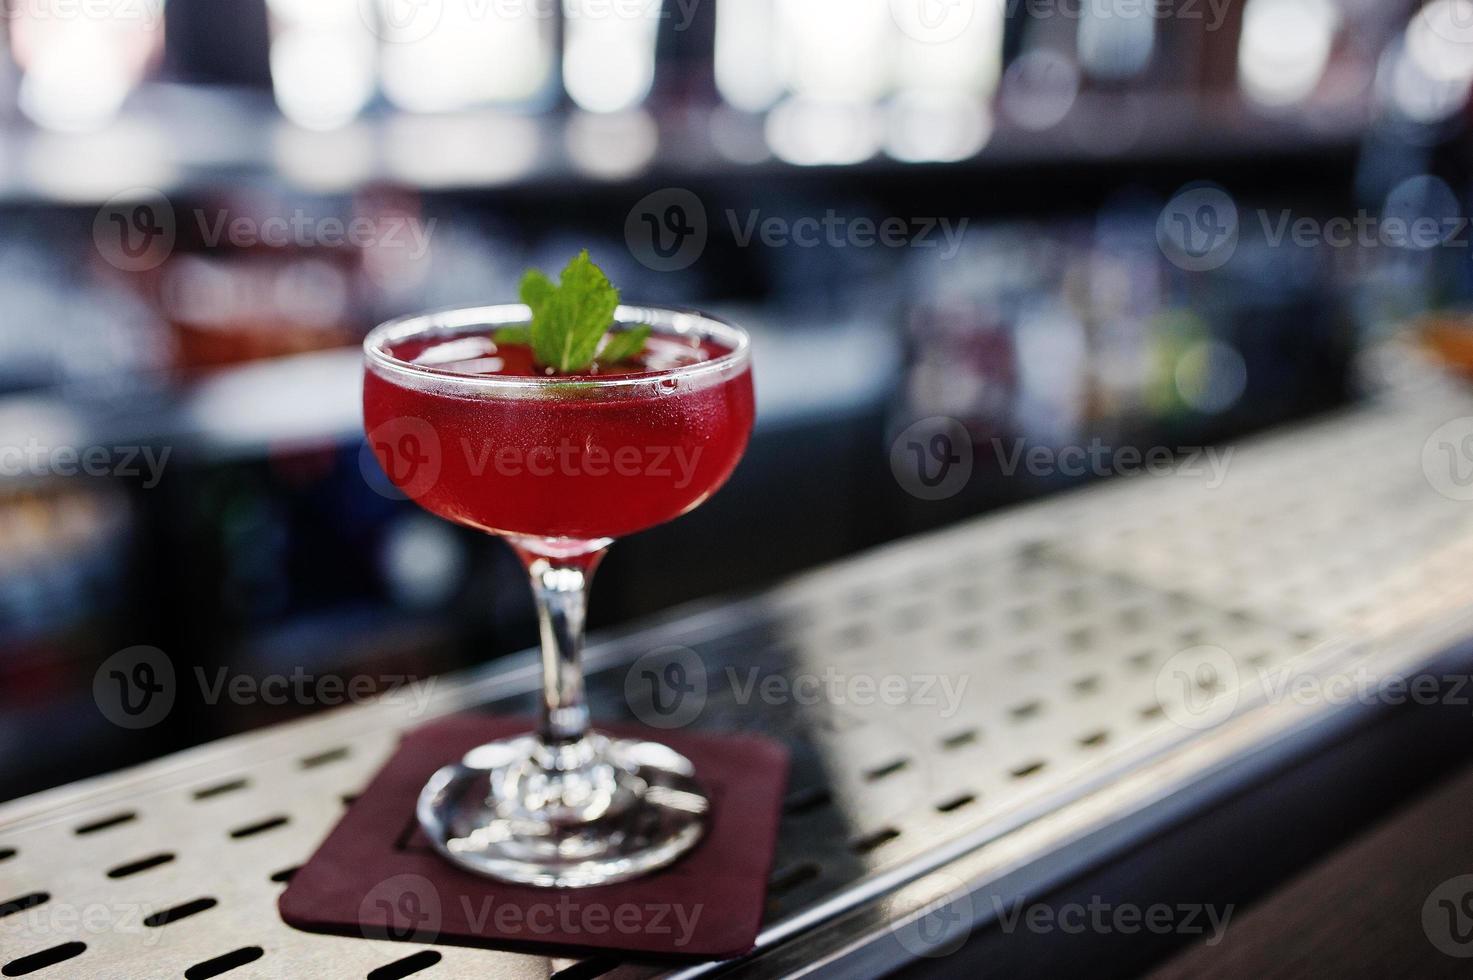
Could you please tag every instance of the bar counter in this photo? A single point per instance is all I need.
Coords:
(1079, 677)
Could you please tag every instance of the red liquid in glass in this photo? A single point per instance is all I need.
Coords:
(559, 462)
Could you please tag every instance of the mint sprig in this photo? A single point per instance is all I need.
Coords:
(623, 346)
(570, 319)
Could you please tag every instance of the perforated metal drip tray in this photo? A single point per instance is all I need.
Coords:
(963, 708)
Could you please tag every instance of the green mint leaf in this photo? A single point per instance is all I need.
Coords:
(537, 291)
(623, 346)
(586, 300)
(513, 335)
(569, 319)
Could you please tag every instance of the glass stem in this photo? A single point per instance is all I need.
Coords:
(560, 587)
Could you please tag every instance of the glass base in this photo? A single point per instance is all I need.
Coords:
(583, 813)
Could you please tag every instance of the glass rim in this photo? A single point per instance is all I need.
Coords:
(665, 319)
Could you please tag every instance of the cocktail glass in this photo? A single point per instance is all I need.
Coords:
(559, 466)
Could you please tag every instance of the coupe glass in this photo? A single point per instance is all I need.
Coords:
(559, 466)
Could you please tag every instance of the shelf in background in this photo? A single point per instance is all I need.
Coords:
(174, 138)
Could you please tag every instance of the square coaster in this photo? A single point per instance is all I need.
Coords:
(376, 875)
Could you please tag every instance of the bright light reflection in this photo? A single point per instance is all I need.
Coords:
(609, 53)
(77, 69)
(1284, 48)
(1425, 208)
(1039, 89)
(474, 148)
(746, 60)
(1404, 84)
(970, 63)
(339, 159)
(813, 133)
(936, 126)
(323, 61)
(65, 165)
(1114, 45)
(478, 53)
(1440, 40)
(738, 136)
(322, 78)
(612, 145)
(836, 50)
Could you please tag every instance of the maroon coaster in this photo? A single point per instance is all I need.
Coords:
(377, 876)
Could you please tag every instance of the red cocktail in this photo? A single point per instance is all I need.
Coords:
(573, 457)
(559, 464)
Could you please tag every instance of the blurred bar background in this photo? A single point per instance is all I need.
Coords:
(1039, 142)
